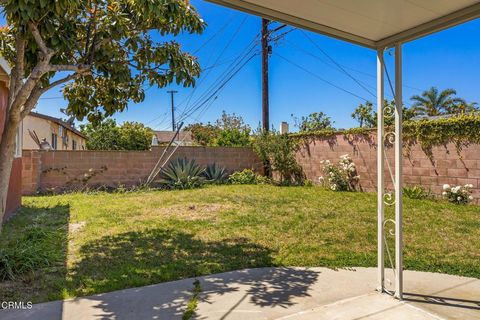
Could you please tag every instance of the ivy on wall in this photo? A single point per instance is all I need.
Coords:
(461, 131)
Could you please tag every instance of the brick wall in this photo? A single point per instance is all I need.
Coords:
(418, 169)
(64, 170)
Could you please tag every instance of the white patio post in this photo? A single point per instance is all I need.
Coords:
(398, 174)
(380, 170)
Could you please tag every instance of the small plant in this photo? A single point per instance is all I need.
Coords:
(415, 192)
(308, 183)
(183, 174)
(216, 174)
(458, 194)
(247, 176)
(342, 176)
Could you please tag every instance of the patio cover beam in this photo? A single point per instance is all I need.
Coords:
(444, 22)
(295, 21)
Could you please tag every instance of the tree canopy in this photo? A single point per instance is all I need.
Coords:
(107, 135)
(107, 46)
(229, 130)
(315, 121)
(105, 52)
(433, 102)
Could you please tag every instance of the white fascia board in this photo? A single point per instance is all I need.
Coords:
(272, 14)
(442, 23)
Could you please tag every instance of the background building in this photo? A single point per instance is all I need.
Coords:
(45, 132)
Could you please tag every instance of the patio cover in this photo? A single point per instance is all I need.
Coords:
(370, 23)
(375, 24)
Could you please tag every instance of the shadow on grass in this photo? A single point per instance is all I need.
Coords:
(135, 259)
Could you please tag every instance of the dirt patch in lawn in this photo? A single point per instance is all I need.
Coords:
(190, 212)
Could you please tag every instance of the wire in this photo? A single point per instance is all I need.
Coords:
(227, 45)
(237, 61)
(322, 79)
(218, 89)
(337, 64)
(215, 35)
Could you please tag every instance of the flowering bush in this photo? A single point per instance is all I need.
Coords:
(458, 194)
(342, 176)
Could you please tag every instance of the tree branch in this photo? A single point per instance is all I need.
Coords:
(19, 62)
(80, 68)
(36, 94)
(39, 40)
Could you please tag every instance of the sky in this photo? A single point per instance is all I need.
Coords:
(304, 73)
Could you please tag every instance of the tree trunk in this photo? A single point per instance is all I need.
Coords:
(7, 153)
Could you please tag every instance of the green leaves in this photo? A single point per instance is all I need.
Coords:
(183, 174)
(107, 135)
(114, 38)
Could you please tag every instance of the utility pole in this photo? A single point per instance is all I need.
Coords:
(265, 53)
(172, 92)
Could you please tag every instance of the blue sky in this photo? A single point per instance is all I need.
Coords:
(449, 59)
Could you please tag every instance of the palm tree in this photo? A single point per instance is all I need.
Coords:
(433, 103)
(463, 108)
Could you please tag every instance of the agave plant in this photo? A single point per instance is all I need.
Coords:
(216, 174)
(183, 174)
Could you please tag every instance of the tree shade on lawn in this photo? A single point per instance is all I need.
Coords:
(102, 242)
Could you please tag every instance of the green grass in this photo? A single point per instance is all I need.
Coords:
(193, 303)
(102, 242)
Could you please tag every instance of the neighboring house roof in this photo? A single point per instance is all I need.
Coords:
(57, 121)
(166, 136)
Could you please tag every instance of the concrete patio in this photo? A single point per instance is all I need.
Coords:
(277, 293)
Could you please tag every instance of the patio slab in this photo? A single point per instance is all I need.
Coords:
(277, 293)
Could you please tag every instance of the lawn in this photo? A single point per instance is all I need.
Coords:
(92, 243)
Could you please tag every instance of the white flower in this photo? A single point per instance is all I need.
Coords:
(455, 189)
(469, 186)
(446, 186)
(321, 179)
(470, 198)
(444, 193)
(459, 198)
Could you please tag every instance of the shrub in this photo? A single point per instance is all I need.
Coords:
(183, 174)
(342, 176)
(415, 192)
(247, 176)
(277, 151)
(216, 174)
(458, 194)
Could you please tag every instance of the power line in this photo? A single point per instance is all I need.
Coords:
(337, 64)
(219, 88)
(322, 79)
(295, 46)
(237, 61)
(227, 45)
(215, 35)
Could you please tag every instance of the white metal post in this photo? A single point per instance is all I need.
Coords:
(380, 171)
(398, 174)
